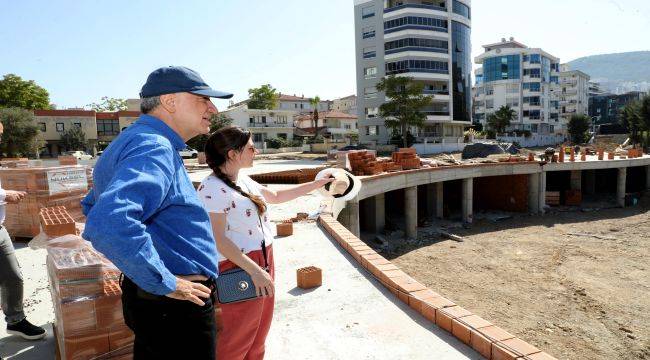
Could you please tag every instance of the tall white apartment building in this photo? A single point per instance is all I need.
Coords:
(527, 80)
(574, 93)
(427, 40)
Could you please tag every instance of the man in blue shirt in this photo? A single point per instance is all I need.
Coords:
(144, 215)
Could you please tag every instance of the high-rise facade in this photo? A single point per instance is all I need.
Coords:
(428, 41)
(573, 92)
(525, 79)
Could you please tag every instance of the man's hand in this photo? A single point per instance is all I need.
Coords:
(14, 197)
(190, 291)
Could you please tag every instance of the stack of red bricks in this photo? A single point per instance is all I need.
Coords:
(634, 153)
(85, 294)
(67, 160)
(407, 158)
(364, 163)
(45, 187)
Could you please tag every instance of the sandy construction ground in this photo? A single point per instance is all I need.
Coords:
(575, 284)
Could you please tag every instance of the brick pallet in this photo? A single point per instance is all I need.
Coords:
(45, 187)
(85, 294)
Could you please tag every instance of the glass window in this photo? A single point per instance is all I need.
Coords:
(370, 72)
(535, 86)
(372, 130)
(258, 138)
(369, 52)
(78, 125)
(501, 68)
(417, 44)
(368, 32)
(416, 22)
(405, 66)
(372, 112)
(370, 92)
(43, 127)
(60, 127)
(461, 9)
(535, 58)
(368, 11)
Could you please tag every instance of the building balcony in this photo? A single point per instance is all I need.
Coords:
(270, 125)
(394, 5)
(419, 49)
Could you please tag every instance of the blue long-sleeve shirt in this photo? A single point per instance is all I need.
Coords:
(143, 212)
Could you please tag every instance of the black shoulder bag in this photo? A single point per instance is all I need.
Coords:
(236, 285)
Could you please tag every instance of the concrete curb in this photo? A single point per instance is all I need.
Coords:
(487, 339)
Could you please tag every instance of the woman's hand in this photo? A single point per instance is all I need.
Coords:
(263, 282)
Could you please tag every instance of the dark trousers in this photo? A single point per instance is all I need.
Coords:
(167, 328)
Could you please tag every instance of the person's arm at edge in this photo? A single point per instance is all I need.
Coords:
(284, 195)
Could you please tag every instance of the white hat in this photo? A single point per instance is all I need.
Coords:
(345, 186)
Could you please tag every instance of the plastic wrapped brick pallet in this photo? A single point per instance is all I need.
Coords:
(87, 302)
(45, 187)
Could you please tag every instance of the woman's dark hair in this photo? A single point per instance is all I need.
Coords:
(216, 154)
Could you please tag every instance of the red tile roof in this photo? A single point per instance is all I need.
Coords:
(88, 113)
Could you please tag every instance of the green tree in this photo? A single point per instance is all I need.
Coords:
(500, 119)
(73, 139)
(630, 118)
(18, 93)
(578, 128)
(314, 103)
(20, 132)
(109, 104)
(644, 113)
(404, 109)
(216, 122)
(263, 97)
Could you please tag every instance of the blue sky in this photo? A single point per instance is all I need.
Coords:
(85, 49)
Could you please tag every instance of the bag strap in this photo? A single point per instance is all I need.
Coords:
(266, 261)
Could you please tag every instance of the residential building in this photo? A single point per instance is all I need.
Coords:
(332, 124)
(262, 123)
(595, 89)
(525, 79)
(299, 104)
(573, 92)
(605, 109)
(99, 128)
(426, 40)
(346, 104)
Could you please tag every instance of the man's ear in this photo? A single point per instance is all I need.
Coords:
(168, 102)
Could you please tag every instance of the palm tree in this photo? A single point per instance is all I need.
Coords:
(314, 103)
(501, 119)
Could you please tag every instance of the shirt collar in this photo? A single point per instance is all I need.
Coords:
(163, 129)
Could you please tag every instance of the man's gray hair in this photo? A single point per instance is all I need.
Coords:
(149, 103)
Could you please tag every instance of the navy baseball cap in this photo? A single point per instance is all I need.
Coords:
(174, 79)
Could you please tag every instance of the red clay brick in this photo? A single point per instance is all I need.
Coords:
(461, 327)
(512, 349)
(495, 333)
(439, 302)
(481, 344)
(417, 297)
(309, 277)
(444, 316)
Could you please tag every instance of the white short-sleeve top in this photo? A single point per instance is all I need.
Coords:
(243, 224)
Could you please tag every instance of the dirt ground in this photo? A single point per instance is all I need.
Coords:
(575, 284)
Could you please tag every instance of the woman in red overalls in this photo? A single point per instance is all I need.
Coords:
(237, 206)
